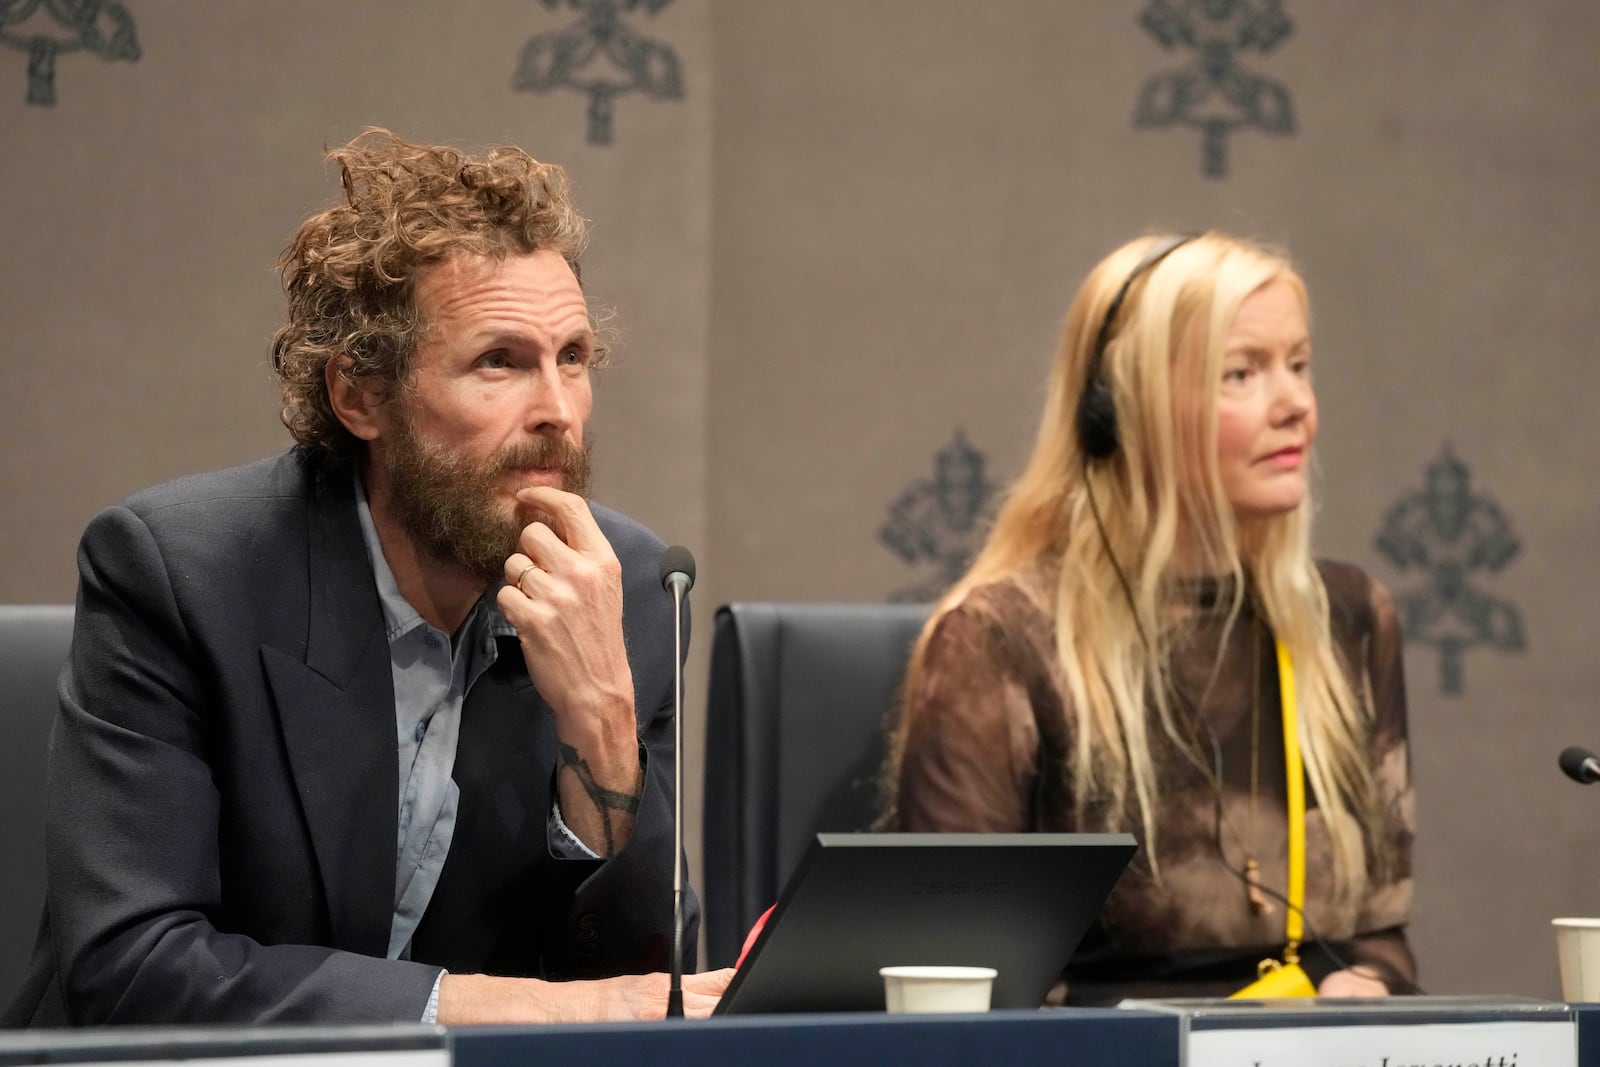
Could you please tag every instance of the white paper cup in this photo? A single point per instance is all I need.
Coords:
(933, 989)
(1578, 948)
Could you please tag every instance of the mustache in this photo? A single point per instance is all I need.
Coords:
(548, 453)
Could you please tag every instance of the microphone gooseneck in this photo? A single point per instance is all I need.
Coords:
(1579, 764)
(677, 578)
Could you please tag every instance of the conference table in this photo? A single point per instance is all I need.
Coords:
(1501, 1032)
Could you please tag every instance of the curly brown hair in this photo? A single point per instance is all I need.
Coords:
(350, 272)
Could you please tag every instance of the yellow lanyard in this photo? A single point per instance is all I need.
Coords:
(1294, 921)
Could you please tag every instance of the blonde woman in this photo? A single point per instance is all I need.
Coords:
(1111, 660)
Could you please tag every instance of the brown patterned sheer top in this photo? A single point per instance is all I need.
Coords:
(991, 687)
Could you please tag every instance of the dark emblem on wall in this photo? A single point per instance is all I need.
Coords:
(1452, 535)
(1214, 92)
(46, 29)
(938, 523)
(602, 57)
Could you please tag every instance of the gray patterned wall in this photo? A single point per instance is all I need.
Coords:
(840, 237)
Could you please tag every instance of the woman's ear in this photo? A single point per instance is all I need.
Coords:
(358, 405)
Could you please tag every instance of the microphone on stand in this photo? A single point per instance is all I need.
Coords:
(1579, 764)
(677, 578)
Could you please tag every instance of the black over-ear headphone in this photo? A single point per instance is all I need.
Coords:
(1097, 410)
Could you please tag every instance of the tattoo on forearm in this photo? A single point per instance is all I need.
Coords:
(605, 800)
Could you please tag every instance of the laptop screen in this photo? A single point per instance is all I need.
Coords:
(1016, 902)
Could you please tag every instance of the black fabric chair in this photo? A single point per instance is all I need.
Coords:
(33, 648)
(799, 698)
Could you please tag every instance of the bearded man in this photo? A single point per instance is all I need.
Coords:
(381, 728)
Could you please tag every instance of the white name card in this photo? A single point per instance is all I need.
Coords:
(1551, 1043)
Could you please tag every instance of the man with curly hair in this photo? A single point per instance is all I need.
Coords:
(380, 728)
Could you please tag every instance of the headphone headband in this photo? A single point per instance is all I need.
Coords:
(1097, 411)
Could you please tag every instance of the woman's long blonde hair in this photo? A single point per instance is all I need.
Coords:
(1162, 484)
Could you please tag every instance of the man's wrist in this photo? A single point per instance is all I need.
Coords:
(605, 742)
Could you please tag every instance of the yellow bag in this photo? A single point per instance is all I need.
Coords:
(1289, 979)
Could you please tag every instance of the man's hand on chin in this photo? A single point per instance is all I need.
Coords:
(473, 999)
(563, 594)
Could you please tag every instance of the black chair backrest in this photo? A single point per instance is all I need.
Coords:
(33, 648)
(799, 699)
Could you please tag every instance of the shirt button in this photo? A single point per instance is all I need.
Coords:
(422, 730)
(431, 641)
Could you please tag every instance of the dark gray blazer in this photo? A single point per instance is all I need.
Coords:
(221, 818)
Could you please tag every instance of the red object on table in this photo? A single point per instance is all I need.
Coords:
(750, 938)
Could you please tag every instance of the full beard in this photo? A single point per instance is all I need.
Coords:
(448, 502)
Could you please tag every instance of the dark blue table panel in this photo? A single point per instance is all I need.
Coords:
(1588, 1034)
(1064, 1038)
